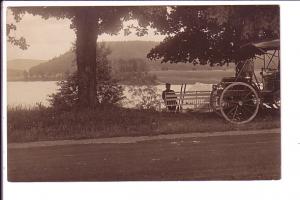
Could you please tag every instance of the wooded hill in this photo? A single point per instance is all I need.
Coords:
(23, 64)
(17, 67)
(119, 50)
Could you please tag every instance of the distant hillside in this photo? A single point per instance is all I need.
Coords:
(14, 74)
(23, 64)
(139, 50)
(120, 50)
(130, 49)
(60, 64)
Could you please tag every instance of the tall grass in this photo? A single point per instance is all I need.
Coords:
(41, 123)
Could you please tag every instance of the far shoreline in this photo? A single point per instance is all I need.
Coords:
(171, 76)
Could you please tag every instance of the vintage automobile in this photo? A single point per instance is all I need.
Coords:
(239, 98)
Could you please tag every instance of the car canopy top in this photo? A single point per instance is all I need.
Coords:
(251, 49)
(268, 45)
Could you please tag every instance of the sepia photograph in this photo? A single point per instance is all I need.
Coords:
(143, 93)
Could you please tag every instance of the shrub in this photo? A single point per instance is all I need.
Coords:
(146, 97)
(108, 90)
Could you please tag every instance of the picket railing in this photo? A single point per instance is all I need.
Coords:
(183, 100)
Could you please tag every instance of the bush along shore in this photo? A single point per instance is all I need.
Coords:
(41, 123)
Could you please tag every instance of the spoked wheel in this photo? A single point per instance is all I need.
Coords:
(215, 102)
(239, 103)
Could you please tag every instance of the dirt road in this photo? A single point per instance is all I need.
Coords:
(243, 155)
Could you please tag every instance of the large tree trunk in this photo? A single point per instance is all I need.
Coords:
(86, 43)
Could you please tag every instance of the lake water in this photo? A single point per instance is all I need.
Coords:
(28, 94)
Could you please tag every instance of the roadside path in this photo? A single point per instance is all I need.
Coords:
(233, 155)
(134, 139)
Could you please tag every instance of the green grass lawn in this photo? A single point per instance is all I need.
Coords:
(38, 124)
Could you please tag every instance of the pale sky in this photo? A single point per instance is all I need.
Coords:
(52, 37)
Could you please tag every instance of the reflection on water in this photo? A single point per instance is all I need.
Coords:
(30, 93)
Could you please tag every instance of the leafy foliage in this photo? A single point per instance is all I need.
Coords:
(111, 18)
(108, 90)
(67, 95)
(146, 97)
(20, 42)
(212, 34)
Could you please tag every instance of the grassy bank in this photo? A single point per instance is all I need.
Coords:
(36, 124)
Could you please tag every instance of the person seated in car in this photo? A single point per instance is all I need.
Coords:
(245, 69)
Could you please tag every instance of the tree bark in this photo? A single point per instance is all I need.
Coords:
(86, 43)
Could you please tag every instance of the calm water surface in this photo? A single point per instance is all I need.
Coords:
(28, 94)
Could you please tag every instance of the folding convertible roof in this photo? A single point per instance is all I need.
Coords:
(251, 49)
(268, 45)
